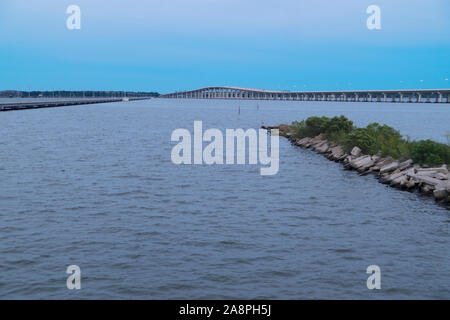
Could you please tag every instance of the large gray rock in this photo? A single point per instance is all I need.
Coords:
(397, 175)
(303, 142)
(381, 162)
(405, 164)
(426, 179)
(441, 191)
(366, 166)
(429, 173)
(360, 161)
(442, 169)
(441, 176)
(317, 145)
(323, 148)
(394, 177)
(348, 159)
(337, 152)
(399, 181)
(318, 138)
(355, 152)
(390, 167)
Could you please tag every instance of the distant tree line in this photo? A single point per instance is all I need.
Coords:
(74, 94)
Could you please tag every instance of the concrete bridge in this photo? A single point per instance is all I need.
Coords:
(50, 103)
(417, 96)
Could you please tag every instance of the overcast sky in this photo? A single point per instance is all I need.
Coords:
(167, 45)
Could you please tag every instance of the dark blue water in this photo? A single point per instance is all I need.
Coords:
(95, 186)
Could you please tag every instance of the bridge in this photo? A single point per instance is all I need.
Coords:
(50, 103)
(416, 96)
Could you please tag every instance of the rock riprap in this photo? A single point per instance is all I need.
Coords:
(404, 175)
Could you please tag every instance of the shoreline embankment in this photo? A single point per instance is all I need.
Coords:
(404, 175)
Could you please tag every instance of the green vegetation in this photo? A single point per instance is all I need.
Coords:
(375, 139)
(430, 152)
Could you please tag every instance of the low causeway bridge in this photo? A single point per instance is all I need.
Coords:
(416, 96)
(50, 103)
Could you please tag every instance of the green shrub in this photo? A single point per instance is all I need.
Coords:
(388, 141)
(359, 137)
(316, 125)
(301, 128)
(337, 137)
(374, 139)
(313, 126)
(338, 125)
(430, 152)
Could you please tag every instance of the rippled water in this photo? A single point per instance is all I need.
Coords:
(94, 186)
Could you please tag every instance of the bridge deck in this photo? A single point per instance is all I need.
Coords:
(407, 95)
(11, 106)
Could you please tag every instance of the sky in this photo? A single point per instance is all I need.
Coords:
(174, 45)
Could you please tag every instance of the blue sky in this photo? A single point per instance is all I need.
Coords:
(169, 45)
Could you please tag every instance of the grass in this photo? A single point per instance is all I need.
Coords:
(375, 139)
